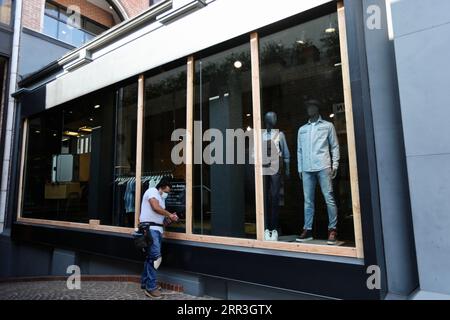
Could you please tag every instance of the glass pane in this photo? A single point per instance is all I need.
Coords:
(70, 34)
(88, 128)
(51, 10)
(43, 199)
(165, 112)
(304, 114)
(125, 157)
(93, 28)
(5, 11)
(50, 26)
(224, 191)
(68, 174)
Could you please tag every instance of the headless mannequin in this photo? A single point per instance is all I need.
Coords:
(273, 182)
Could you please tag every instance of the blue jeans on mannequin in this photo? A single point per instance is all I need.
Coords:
(310, 180)
(148, 279)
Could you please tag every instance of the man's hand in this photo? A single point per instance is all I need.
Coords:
(334, 173)
(173, 217)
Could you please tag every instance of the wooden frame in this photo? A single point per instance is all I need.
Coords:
(354, 183)
(355, 252)
(189, 143)
(22, 167)
(256, 100)
(139, 147)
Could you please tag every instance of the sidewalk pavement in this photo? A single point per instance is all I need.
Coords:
(90, 290)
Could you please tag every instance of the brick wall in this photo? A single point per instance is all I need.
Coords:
(32, 11)
(134, 7)
(90, 11)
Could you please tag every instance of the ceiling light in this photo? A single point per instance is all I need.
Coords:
(91, 119)
(249, 115)
(85, 129)
(332, 115)
(238, 64)
(249, 128)
(97, 106)
(71, 133)
(330, 30)
(300, 42)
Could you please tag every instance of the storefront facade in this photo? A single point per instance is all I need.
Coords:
(101, 128)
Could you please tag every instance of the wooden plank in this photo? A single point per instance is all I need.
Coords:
(22, 167)
(76, 225)
(249, 243)
(94, 222)
(256, 100)
(139, 146)
(282, 246)
(189, 143)
(350, 132)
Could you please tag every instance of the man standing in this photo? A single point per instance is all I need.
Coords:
(318, 161)
(153, 215)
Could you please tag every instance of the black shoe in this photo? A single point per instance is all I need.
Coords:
(305, 236)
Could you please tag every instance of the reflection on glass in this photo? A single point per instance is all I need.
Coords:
(50, 26)
(125, 157)
(69, 165)
(60, 23)
(224, 193)
(300, 64)
(165, 111)
(5, 11)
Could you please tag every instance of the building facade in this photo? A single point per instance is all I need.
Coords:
(104, 122)
(46, 30)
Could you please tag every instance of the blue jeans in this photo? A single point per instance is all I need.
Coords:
(154, 252)
(310, 180)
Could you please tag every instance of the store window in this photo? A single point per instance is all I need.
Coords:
(165, 112)
(80, 158)
(5, 11)
(124, 186)
(224, 192)
(60, 24)
(304, 117)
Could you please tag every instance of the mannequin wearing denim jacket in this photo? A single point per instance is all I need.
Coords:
(318, 161)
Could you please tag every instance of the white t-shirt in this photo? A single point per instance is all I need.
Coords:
(147, 213)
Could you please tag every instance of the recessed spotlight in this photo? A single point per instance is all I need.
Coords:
(91, 119)
(97, 106)
(248, 115)
(300, 42)
(249, 128)
(238, 64)
(332, 115)
(330, 30)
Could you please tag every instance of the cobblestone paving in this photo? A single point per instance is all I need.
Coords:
(90, 290)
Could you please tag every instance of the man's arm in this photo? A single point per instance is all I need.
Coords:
(159, 210)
